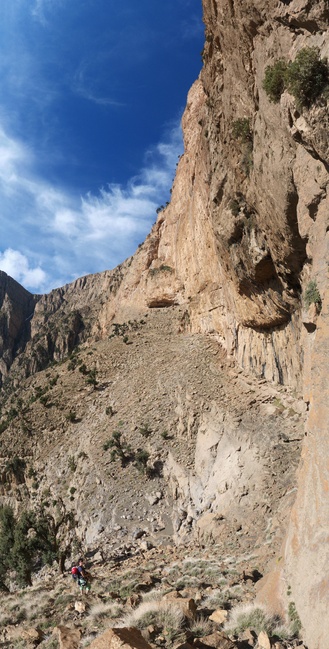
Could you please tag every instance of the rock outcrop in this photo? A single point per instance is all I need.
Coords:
(17, 307)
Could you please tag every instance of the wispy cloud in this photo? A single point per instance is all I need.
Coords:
(17, 266)
(60, 236)
(85, 84)
(54, 145)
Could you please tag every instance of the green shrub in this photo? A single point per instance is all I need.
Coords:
(141, 459)
(163, 268)
(110, 411)
(307, 76)
(119, 449)
(247, 161)
(242, 130)
(20, 550)
(4, 425)
(145, 430)
(92, 378)
(294, 618)
(72, 464)
(71, 416)
(312, 295)
(12, 414)
(234, 207)
(274, 81)
(16, 466)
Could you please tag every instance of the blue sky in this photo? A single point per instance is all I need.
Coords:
(92, 92)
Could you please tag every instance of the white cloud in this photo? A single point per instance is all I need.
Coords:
(51, 236)
(17, 266)
(12, 155)
(85, 83)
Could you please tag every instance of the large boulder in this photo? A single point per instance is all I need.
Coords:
(125, 638)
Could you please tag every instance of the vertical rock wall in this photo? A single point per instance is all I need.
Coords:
(17, 307)
(272, 245)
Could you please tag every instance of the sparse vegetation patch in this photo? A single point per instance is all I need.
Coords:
(312, 295)
(306, 78)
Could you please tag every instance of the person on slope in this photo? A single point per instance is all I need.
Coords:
(83, 577)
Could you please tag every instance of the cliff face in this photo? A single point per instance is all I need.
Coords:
(17, 307)
(245, 233)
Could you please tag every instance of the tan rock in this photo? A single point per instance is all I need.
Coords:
(68, 638)
(187, 606)
(33, 635)
(218, 640)
(133, 600)
(173, 594)
(125, 638)
(80, 607)
(264, 641)
(249, 636)
(219, 616)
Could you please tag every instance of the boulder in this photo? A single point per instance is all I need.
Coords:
(187, 606)
(68, 638)
(250, 637)
(33, 635)
(125, 638)
(218, 616)
(80, 607)
(264, 641)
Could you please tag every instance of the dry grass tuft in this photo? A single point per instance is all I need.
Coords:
(201, 626)
(101, 611)
(165, 614)
(253, 616)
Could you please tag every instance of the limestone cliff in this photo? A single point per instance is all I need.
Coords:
(17, 308)
(245, 233)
